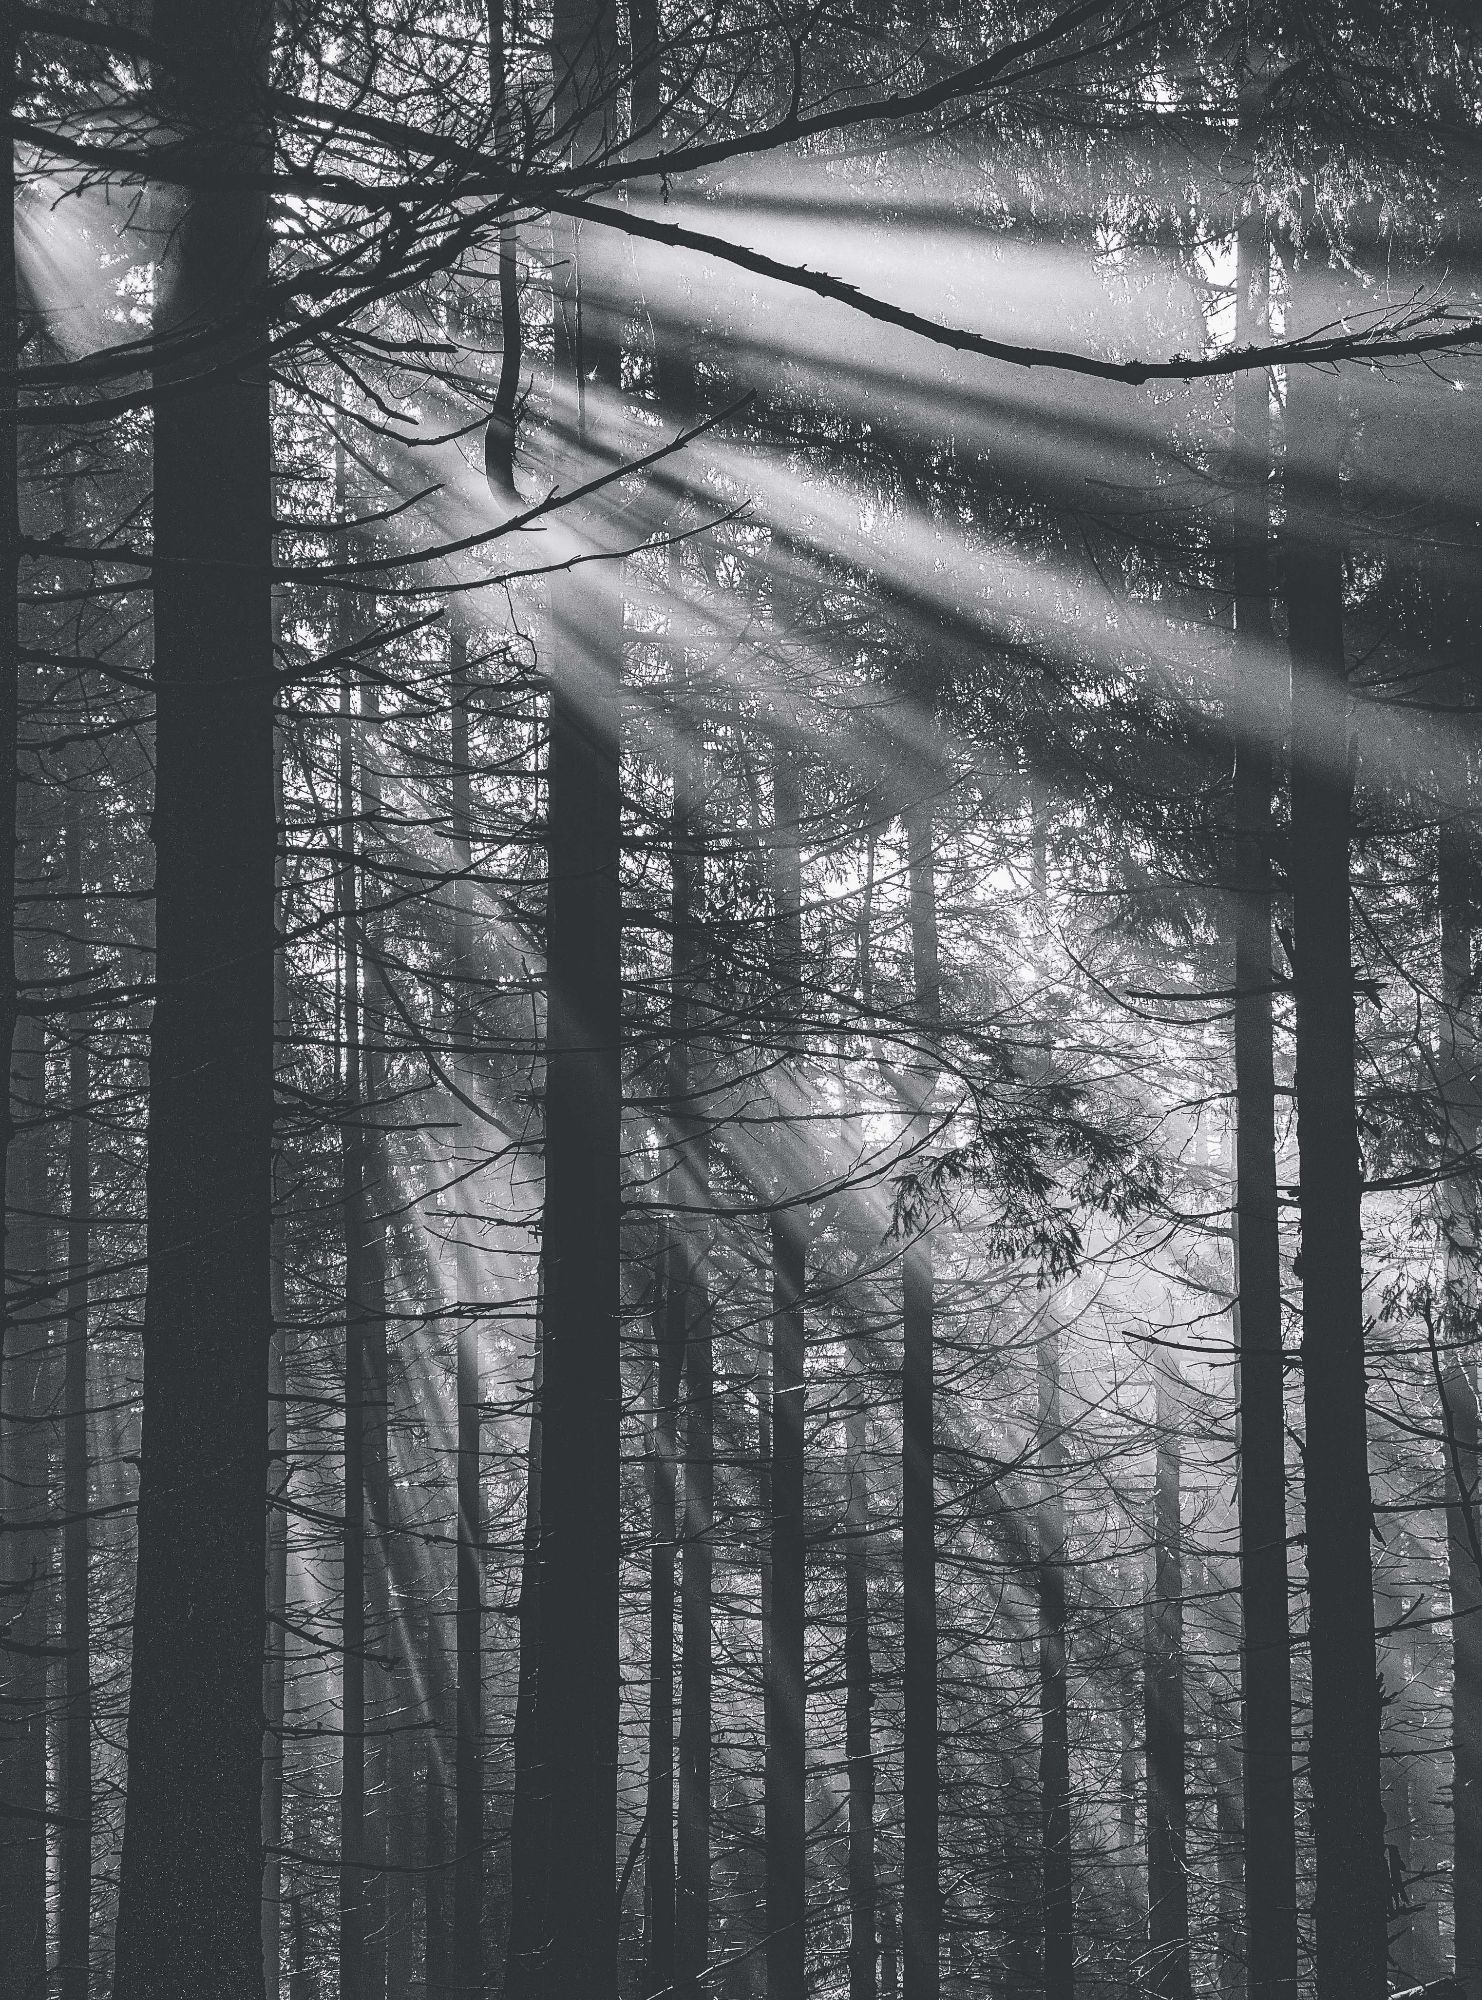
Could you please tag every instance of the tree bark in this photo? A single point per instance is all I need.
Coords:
(1167, 1807)
(921, 1888)
(355, 1856)
(669, 1341)
(1270, 1811)
(190, 1916)
(1466, 1678)
(74, 1914)
(468, 1763)
(1457, 1057)
(574, 1822)
(786, 1695)
(859, 1689)
(687, 1303)
(28, 1556)
(1057, 1905)
(437, 1848)
(1344, 1761)
(275, 1664)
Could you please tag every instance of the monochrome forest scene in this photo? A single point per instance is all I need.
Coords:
(741, 965)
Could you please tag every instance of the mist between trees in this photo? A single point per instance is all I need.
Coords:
(739, 916)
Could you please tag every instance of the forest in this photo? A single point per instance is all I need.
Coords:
(741, 954)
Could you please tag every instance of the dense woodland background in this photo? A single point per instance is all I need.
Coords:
(739, 919)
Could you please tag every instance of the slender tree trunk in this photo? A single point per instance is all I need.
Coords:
(190, 1894)
(10, 538)
(688, 1306)
(1167, 1808)
(1230, 1855)
(354, 1887)
(437, 1849)
(574, 1826)
(662, 1530)
(24, 1425)
(275, 1664)
(1455, 886)
(525, 1880)
(1466, 1678)
(859, 1689)
(1270, 1812)
(74, 1915)
(921, 1889)
(1344, 1761)
(1054, 1756)
(468, 1874)
(380, 1646)
(786, 1697)
(17, 1838)
(499, 434)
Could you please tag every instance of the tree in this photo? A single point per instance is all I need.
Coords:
(189, 1916)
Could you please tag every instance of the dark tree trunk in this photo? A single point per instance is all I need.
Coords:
(190, 1894)
(274, 1666)
(1054, 1755)
(27, 1552)
(669, 1341)
(786, 1694)
(1456, 896)
(1466, 1677)
(380, 1646)
(921, 1889)
(10, 541)
(437, 1848)
(1229, 1854)
(688, 1307)
(1167, 1809)
(1270, 1811)
(355, 1856)
(468, 1763)
(574, 1822)
(1344, 1761)
(525, 1879)
(74, 1914)
(859, 1693)
(277, 1605)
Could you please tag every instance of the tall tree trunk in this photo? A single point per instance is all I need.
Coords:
(1229, 1832)
(859, 1693)
(499, 434)
(190, 1892)
(1344, 1762)
(921, 1889)
(669, 1341)
(380, 1647)
(574, 1826)
(786, 1694)
(437, 1848)
(275, 1664)
(354, 1884)
(688, 1306)
(74, 1915)
(1058, 1913)
(468, 1872)
(1270, 1811)
(10, 546)
(17, 1837)
(24, 1425)
(1456, 892)
(526, 1908)
(1167, 1810)
(1466, 1676)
